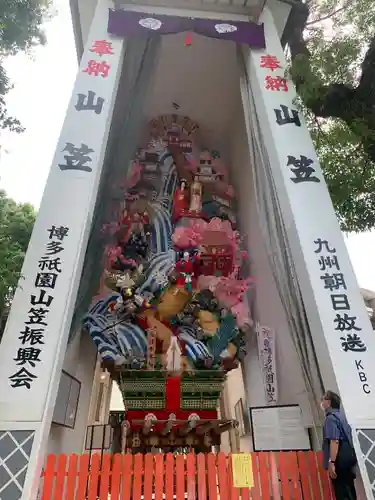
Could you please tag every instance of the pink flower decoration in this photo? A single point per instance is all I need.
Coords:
(113, 253)
(128, 262)
(229, 191)
(242, 313)
(230, 291)
(188, 237)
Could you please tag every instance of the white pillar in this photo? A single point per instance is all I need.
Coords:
(341, 329)
(35, 339)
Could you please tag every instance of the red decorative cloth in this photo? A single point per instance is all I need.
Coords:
(173, 394)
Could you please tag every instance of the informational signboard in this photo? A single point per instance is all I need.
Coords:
(242, 468)
(67, 401)
(278, 428)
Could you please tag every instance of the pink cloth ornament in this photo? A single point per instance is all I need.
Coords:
(134, 175)
(191, 163)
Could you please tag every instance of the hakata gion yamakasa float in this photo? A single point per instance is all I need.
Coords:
(171, 314)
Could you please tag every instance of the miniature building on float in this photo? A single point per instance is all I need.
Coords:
(185, 212)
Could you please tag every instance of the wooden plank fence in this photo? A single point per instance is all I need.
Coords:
(277, 476)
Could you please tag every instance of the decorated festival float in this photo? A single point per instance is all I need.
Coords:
(171, 315)
(162, 229)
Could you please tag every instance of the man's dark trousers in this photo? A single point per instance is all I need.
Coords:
(343, 485)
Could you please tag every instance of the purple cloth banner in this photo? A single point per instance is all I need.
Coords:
(130, 24)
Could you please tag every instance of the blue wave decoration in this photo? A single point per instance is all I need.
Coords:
(161, 264)
(161, 233)
(169, 176)
(97, 322)
(114, 340)
(132, 340)
(196, 350)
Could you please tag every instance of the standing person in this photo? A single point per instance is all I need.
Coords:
(339, 455)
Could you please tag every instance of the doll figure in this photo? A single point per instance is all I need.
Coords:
(186, 272)
(137, 224)
(145, 219)
(196, 193)
(180, 200)
(125, 227)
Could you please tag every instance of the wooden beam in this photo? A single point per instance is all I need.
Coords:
(168, 427)
(147, 426)
(225, 427)
(188, 427)
(204, 428)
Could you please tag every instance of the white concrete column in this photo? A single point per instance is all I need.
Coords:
(35, 339)
(342, 333)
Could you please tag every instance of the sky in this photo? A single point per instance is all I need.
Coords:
(43, 83)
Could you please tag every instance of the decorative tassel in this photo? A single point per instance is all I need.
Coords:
(188, 39)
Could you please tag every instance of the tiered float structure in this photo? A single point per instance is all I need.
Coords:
(171, 314)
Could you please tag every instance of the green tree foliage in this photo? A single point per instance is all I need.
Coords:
(332, 49)
(16, 224)
(20, 30)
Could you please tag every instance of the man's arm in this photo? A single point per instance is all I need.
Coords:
(333, 449)
(332, 432)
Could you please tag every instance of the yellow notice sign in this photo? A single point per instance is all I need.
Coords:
(242, 468)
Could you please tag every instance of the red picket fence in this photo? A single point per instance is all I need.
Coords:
(280, 476)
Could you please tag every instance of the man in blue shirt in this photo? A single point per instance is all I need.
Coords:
(339, 456)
